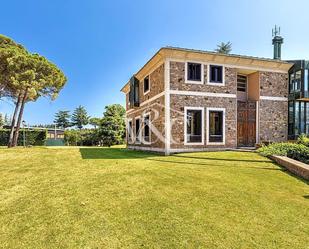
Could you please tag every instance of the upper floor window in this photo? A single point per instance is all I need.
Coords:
(215, 74)
(194, 72)
(146, 85)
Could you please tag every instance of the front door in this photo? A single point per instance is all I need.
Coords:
(246, 124)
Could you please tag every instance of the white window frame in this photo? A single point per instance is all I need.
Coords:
(208, 75)
(186, 73)
(209, 109)
(145, 93)
(139, 135)
(143, 127)
(132, 131)
(185, 124)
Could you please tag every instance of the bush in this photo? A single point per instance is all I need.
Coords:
(295, 151)
(303, 139)
(33, 137)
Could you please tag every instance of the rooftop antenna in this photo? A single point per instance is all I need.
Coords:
(277, 42)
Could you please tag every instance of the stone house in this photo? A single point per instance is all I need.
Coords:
(191, 100)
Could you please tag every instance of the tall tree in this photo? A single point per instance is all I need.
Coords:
(1, 120)
(80, 117)
(112, 129)
(62, 119)
(95, 122)
(26, 77)
(224, 48)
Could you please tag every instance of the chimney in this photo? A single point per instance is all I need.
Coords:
(277, 41)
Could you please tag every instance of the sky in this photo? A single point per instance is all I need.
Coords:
(100, 44)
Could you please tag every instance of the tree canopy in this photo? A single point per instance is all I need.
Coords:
(224, 48)
(80, 117)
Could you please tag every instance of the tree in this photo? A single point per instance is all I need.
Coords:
(7, 120)
(62, 119)
(80, 117)
(224, 48)
(112, 129)
(95, 122)
(1, 120)
(26, 77)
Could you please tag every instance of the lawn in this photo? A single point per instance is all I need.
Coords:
(114, 198)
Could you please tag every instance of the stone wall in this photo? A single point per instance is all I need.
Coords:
(273, 84)
(178, 102)
(273, 121)
(177, 80)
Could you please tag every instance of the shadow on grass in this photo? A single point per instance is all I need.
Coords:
(112, 153)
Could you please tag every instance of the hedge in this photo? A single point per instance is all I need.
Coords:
(33, 137)
(298, 152)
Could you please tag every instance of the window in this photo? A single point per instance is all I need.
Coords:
(241, 83)
(194, 125)
(146, 85)
(215, 74)
(130, 131)
(194, 72)
(216, 125)
(137, 130)
(146, 128)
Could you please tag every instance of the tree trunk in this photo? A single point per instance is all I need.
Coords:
(17, 105)
(20, 116)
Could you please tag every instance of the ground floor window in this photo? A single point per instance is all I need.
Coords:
(216, 125)
(146, 127)
(130, 131)
(194, 125)
(298, 118)
(137, 130)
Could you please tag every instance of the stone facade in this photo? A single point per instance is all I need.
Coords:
(272, 116)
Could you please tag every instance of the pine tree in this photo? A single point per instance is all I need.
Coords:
(80, 117)
(224, 48)
(62, 119)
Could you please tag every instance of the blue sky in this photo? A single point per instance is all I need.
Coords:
(100, 44)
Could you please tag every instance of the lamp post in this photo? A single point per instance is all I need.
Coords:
(24, 133)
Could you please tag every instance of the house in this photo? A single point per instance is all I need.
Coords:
(192, 100)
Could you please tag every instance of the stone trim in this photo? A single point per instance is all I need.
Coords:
(203, 94)
(274, 98)
(146, 148)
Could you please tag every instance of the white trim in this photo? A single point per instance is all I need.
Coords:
(185, 125)
(145, 93)
(194, 81)
(273, 98)
(203, 94)
(208, 75)
(130, 147)
(143, 128)
(139, 130)
(201, 149)
(257, 126)
(208, 109)
(167, 113)
(262, 69)
(132, 135)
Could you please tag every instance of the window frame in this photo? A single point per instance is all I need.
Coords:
(208, 110)
(187, 81)
(146, 92)
(132, 131)
(139, 131)
(186, 108)
(208, 75)
(143, 128)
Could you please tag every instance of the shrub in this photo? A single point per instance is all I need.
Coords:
(295, 151)
(32, 137)
(303, 139)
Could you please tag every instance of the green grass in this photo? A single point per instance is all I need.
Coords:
(113, 198)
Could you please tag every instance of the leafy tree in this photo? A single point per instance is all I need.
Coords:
(80, 117)
(62, 119)
(95, 122)
(112, 129)
(7, 120)
(1, 120)
(224, 48)
(26, 77)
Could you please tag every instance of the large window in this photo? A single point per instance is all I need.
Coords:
(146, 85)
(137, 130)
(307, 118)
(215, 74)
(194, 72)
(194, 125)
(130, 131)
(146, 127)
(216, 125)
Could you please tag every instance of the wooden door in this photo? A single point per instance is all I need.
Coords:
(246, 124)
